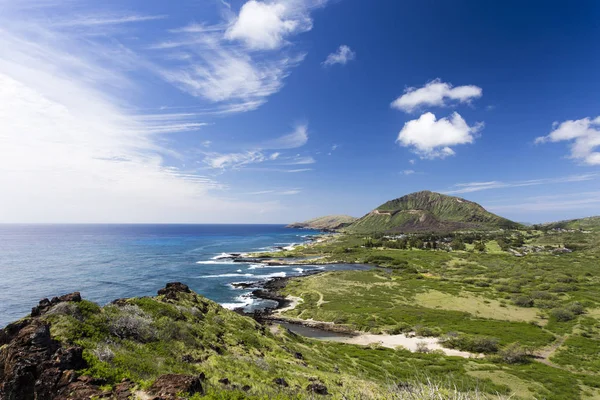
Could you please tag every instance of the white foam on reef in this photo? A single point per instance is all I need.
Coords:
(222, 256)
(273, 275)
(255, 266)
(243, 300)
(220, 261)
(226, 276)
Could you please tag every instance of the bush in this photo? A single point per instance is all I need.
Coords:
(523, 301)
(422, 347)
(515, 354)
(473, 344)
(576, 308)
(562, 315)
(131, 322)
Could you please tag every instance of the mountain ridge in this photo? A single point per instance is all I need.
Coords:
(428, 211)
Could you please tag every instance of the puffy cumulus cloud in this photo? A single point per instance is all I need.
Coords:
(432, 138)
(341, 56)
(435, 93)
(265, 25)
(583, 135)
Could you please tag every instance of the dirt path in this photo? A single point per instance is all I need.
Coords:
(544, 355)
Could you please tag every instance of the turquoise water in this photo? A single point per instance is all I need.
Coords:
(106, 262)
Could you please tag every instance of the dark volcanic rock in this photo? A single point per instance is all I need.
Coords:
(166, 387)
(32, 364)
(317, 388)
(170, 291)
(45, 304)
(281, 382)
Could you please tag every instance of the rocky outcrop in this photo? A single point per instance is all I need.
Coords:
(172, 288)
(167, 387)
(34, 366)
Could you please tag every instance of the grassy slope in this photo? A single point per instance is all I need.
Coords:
(437, 292)
(428, 211)
(326, 222)
(590, 223)
(143, 338)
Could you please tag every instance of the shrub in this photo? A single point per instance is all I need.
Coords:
(131, 322)
(576, 308)
(515, 354)
(542, 295)
(473, 344)
(562, 314)
(422, 347)
(523, 301)
(399, 328)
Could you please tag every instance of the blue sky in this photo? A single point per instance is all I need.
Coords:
(206, 111)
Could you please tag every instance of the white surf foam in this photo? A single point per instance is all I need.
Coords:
(220, 261)
(222, 256)
(226, 276)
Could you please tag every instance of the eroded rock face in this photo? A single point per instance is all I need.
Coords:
(166, 387)
(33, 365)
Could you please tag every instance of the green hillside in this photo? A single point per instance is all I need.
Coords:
(586, 224)
(329, 222)
(429, 212)
(179, 342)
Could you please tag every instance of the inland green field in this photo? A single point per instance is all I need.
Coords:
(527, 301)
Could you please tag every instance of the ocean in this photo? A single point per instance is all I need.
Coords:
(106, 262)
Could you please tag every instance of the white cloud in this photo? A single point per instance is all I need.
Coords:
(564, 202)
(408, 172)
(584, 135)
(72, 151)
(479, 186)
(297, 138)
(431, 138)
(300, 160)
(206, 61)
(341, 56)
(238, 160)
(234, 160)
(435, 93)
(412, 162)
(265, 25)
(96, 20)
(288, 192)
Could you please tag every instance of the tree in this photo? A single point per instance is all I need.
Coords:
(457, 244)
(480, 247)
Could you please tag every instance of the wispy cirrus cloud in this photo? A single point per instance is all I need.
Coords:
(100, 20)
(569, 201)
(479, 186)
(72, 146)
(277, 192)
(234, 64)
(260, 153)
